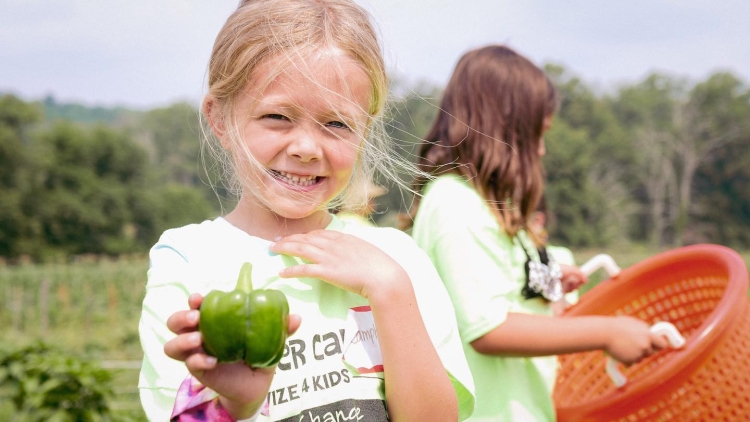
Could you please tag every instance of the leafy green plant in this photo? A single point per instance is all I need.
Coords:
(45, 384)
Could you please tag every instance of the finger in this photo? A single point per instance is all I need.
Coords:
(200, 362)
(304, 270)
(184, 345)
(659, 342)
(183, 321)
(308, 237)
(581, 276)
(306, 251)
(571, 283)
(646, 353)
(568, 285)
(195, 300)
(294, 322)
(578, 278)
(574, 273)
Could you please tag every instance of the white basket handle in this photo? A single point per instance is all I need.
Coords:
(676, 340)
(600, 261)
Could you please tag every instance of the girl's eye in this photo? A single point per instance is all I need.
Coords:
(275, 116)
(337, 125)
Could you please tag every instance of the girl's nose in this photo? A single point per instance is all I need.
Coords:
(305, 146)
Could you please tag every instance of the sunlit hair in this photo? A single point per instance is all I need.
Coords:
(261, 31)
(488, 129)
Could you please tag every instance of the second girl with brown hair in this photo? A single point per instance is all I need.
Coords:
(484, 152)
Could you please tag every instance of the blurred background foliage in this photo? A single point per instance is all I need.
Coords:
(659, 161)
(45, 384)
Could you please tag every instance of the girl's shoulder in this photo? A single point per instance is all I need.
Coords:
(204, 256)
(210, 238)
(396, 243)
(205, 228)
(451, 199)
(450, 184)
(197, 234)
(379, 236)
(450, 192)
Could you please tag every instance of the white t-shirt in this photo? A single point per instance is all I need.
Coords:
(330, 366)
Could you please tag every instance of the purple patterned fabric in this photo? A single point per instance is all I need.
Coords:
(195, 402)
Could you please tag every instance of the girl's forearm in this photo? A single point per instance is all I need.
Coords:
(417, 386)
(239, 411)
(537, 335)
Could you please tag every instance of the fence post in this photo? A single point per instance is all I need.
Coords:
(89, 302)
(44, 306)
(112, 300)
(9, 300)
(18, 308)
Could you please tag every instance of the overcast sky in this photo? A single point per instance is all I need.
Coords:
(148, 53)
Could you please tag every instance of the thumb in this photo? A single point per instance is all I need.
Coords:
(659, 341)
(294, 322)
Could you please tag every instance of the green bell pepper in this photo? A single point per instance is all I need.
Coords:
(245, 324)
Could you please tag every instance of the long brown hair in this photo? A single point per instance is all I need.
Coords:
(489, 129)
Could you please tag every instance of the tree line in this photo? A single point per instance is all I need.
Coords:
(662, 161)
(68, 187)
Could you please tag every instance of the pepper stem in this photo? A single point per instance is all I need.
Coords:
(245, 281)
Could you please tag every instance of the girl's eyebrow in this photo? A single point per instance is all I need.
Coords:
(350, 110)
(269, 101)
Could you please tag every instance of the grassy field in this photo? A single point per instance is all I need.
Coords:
(90, 308)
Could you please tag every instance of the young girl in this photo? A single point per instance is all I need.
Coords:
(294, 90)
(485, 148)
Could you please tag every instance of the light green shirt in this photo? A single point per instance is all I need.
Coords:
(483, 270)
(330, 367)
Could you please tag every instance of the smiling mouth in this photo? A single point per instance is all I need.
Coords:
(295, 179)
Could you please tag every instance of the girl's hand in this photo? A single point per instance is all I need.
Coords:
(416, 384)
(242, 389)
(343, 260)
(632, 340)
(572, 278)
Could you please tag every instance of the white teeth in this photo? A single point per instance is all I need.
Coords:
(296, 179)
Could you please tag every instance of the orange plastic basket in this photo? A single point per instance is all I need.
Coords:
(702, 291)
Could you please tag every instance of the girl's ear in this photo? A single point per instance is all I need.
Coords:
(215, 117)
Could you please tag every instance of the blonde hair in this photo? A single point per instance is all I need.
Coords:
(262, 30)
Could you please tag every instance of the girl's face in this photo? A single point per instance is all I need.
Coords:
(303, 129)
